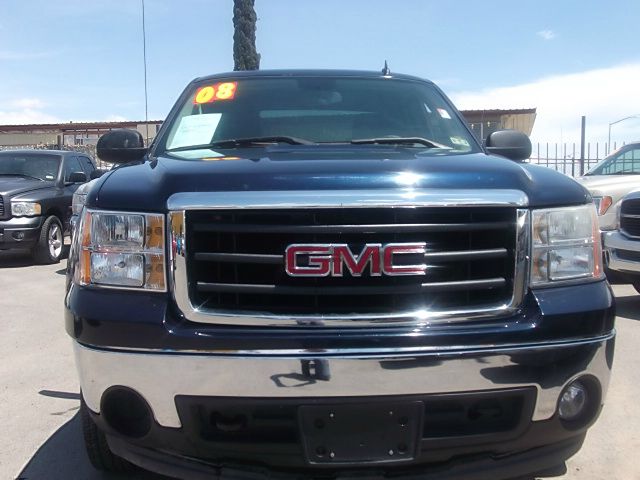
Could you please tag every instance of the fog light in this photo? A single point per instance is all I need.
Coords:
(18, 235)
(573, 401)
(126, 412)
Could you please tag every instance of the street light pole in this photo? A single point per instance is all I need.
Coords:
(637, 115)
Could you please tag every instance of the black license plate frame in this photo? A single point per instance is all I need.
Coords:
(361, 433)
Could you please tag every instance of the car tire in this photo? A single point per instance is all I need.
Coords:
(98, 451)
(636, 285)
(51, 242)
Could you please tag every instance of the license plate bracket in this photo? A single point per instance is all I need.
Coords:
(361, 433)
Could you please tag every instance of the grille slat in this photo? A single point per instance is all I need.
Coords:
(379, 228)
(1, 206)
(238, 257)
(463, 255)
(460, 256)
(235, 260)
(352, 290)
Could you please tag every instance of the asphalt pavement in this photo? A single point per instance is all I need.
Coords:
(39, 392)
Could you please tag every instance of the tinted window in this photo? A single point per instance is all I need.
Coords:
(40, 166)
(71, 164)
(87, 165)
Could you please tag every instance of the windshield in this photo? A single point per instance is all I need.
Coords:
(42, 167)
(305, 110)
(624, 162)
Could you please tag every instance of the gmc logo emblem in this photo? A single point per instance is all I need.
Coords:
(334, 259)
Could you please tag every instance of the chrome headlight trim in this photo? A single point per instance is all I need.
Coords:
(543, 245)
(154, 252)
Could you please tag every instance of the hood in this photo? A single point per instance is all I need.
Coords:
(148, 185)
(604, 182)
(11, 186)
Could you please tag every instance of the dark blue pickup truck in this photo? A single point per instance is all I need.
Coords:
(324, 274)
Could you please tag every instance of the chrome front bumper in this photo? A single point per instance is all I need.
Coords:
(160, 376)
(614, 241)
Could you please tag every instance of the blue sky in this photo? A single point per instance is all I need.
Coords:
(81, 60)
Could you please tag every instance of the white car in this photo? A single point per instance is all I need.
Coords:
(622, 246)
(611, 179)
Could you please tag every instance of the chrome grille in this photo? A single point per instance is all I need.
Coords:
(1, 207)
(630, 217)
(228, 268)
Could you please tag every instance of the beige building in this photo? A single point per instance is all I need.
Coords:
(68, 135)
(485, 122)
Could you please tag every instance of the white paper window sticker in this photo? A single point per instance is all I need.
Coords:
(444, 114)
(195, 130)
(198, 154)
(459, 141)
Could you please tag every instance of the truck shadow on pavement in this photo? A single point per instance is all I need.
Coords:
(15, 260)
(23, 259)
(62, 457)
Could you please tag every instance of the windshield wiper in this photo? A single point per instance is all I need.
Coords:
(21, 175)
(245, 142)
(399, 141)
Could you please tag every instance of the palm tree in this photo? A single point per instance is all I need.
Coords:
(245, 56)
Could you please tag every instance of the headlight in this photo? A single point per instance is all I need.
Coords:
(565, 245)
(78, 202)
(80, 197)
(602, 204)
(120, 249)
(25, 209)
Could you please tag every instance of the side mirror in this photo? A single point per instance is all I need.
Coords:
(121, 146)
(77, 177)
(512, 144)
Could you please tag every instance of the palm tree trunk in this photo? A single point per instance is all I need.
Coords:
(245, 56)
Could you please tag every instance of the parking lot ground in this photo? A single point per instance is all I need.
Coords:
(39, 392)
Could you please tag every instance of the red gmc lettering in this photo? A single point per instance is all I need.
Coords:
(319, 260)
(369, 256)
(324, 260)
(402, 248)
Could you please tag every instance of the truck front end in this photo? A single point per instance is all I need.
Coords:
(323, 274)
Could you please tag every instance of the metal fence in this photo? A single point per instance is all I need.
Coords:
(566, 158)
(90, 149)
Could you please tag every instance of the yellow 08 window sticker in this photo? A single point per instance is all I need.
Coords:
(218, 91)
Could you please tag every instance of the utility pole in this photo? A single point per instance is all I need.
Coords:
(582, 136)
